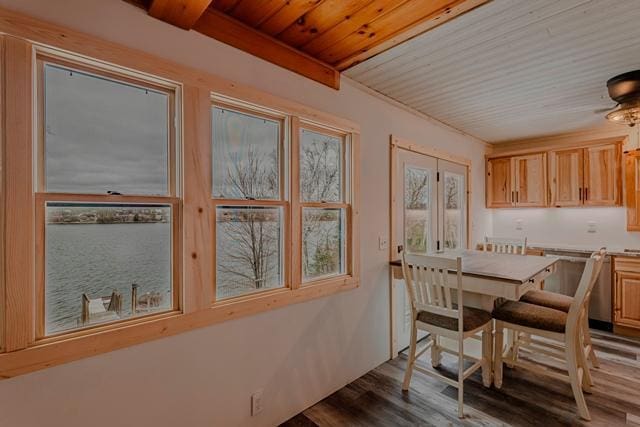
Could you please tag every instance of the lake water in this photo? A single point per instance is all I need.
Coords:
(97, 259)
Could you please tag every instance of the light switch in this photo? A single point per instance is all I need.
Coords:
(383, 243)
(591, 227)
(519, 224)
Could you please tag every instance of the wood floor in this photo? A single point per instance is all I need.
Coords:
(526, 399)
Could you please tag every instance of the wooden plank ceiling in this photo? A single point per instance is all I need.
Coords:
(315, 38)
(514, 69)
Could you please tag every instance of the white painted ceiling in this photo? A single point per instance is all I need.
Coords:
(514, 69)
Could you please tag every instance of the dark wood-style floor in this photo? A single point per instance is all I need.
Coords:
(526, 399)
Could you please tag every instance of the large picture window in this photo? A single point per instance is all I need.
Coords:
(249, 199)
(106, 197)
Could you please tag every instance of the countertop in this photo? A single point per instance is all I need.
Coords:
(611, 250)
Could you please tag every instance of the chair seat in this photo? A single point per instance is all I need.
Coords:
(548, 299)
(473, 318)
(531, 316)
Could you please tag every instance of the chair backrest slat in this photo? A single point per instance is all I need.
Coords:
(505, 245)
(430, 283)
(588, 280)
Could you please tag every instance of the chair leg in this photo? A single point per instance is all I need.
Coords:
(436, 353)
(412, 357)
(511, 348)
(497, 362)
(575, 376)
(587, 381)
(587, 339)
(487, 356)
(460, 377)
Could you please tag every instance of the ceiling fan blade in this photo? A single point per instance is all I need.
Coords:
(605, 110)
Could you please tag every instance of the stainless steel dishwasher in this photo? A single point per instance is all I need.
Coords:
(567, 276)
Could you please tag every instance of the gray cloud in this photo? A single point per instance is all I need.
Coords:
(102, 135)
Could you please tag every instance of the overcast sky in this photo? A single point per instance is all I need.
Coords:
(102, 135)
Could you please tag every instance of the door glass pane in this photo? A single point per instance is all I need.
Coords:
(249, 254)
(454, 202)
(105, 262)
(320, 167)
(323, 241)
(417, 209)
(246, 156)
(103, 135)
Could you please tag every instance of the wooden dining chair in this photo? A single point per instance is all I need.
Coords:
(553, 333)
(431, 283)
(563, 303)
(505, 245)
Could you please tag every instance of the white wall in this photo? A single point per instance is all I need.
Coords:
(568, 226)
(298, 354)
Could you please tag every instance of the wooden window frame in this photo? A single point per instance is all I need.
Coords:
(21, 38)
(344, 204)
(282, 202)
(44, 57)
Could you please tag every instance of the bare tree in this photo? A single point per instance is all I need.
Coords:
(320, 171)
(416, 187)
(250, 251)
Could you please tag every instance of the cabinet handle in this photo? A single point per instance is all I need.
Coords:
(517, 197)
(586, 194)
(580, 195)
(512, 197)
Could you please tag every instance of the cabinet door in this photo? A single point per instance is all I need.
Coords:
(602, 184)
(531, 180)
(566, 177)
(632, 189)
(627, 299)
(499, 190)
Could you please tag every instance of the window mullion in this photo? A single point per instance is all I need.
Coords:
(296, 209)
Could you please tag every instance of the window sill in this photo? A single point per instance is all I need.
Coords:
(50, 352)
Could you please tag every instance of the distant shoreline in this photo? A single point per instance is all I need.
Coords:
(107, 223)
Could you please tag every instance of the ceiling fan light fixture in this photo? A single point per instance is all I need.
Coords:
(628, 114)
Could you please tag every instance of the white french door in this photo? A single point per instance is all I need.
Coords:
(430, 215)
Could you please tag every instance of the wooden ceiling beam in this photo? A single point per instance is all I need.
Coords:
(219, 26)
(181, 13)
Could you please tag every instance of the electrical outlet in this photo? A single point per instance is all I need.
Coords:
(256, 403)
(383, 243)
(519, 225)
(591, 227)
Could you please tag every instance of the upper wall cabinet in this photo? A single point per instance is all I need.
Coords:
(632, 189)
(499, 188)
(590, 175)
(602, 177)
(587, 176)
(519, 181)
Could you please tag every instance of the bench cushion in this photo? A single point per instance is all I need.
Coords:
(548, 299)
(532, 316)
(473, 319)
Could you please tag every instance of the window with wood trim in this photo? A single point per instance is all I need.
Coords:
(124, 191)
(249, 200)
(324, 201)
(106, 199)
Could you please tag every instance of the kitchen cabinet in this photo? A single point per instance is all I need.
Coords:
(632, 189)
(602, 177)
(566, 177)
(586, 176)
(626, 312)
(499, 188)
(517, 181)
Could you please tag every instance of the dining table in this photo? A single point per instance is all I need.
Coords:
(489, 278)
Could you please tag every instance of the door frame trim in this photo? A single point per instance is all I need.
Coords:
(396, 144)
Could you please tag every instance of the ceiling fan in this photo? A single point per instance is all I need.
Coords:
(624, 89)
